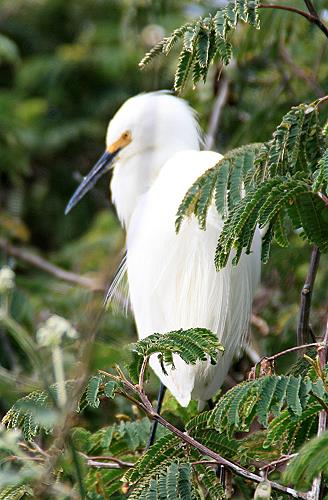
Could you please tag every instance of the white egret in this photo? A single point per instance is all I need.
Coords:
(172, 280)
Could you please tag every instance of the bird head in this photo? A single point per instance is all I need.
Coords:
(143, 123)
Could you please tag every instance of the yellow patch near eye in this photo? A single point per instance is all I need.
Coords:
(123, 141)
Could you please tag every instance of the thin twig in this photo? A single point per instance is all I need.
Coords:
(322, 424)
(292, 349)
(105, 465)
(303, 13)
(306, 295)
(108, 458)
(281, 460)
(44, 265)
(311, 16)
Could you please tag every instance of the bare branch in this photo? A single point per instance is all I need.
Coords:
(303, 13)
(306, 295)
(44, 265)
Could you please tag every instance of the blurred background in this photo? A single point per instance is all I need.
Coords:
(65, 68)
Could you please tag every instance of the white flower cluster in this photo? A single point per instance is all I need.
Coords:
(7, 279)
(52, 331)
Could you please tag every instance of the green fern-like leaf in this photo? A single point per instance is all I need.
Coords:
(16, 492)
(161, 455)
(321, 175)
(23, 414)
(259, 398)
(313, 217)
(309, 463)
(172, 483)
(191, 345)
(211, 483)
(205, 40)
(93, 390)
(266, 205)
(224, 183)
(287, 433)
(37, 411)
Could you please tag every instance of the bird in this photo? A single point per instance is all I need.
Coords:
(153, 145)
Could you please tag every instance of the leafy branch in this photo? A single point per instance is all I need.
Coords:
(208, 39)
(271, 186)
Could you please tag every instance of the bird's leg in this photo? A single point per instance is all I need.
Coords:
(160, 397)
(220, 474)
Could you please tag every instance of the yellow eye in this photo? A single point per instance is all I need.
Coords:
(125, 135)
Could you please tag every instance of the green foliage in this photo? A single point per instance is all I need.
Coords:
(224, 183)
(160, 455)
(191, 345)
(172, 483)
(287, 432)
(321, 179)
(38, 411)
(16, 492)
(259, 399)
(26, 413)
(164, 468)
(205, 40)
(310, 462)
(268, 187)
(61, 80)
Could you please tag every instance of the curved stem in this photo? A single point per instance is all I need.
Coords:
(312, 16)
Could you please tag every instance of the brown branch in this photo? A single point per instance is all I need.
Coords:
(147, 407)
(312, 10)
(44, 265)
(303, 13)
(306, 295)
(312, 16)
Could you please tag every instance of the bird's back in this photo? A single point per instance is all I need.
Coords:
(173, 282)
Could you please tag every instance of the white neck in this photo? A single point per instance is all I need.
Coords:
(133, 177)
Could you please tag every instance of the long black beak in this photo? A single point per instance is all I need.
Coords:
(102, 166)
